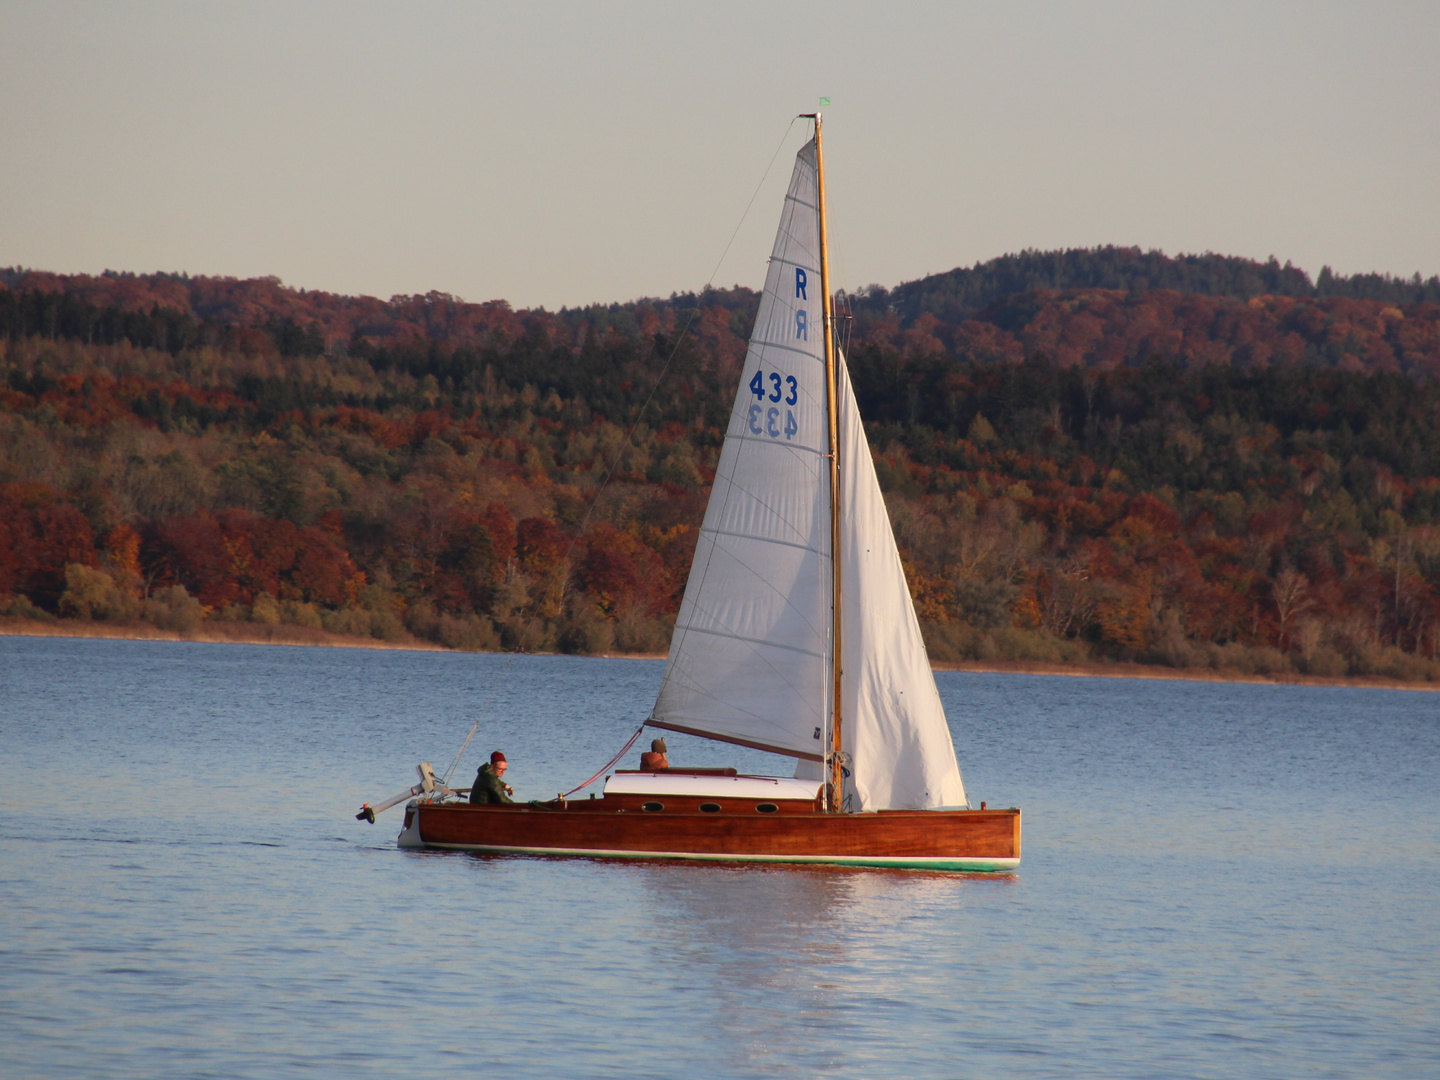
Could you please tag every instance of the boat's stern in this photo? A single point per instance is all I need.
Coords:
(410, 833)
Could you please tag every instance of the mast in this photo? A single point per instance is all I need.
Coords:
(835, 793)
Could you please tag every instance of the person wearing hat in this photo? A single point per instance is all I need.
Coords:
(489, 786)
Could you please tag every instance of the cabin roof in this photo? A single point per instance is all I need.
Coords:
(720, 787)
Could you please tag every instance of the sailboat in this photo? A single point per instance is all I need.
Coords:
(796, 635)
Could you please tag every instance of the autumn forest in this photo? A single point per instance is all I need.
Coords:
(1200, 462)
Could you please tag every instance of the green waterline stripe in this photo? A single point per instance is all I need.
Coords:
(903, 862)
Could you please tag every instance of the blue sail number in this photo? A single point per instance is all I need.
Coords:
(766, 421)
(757, 387)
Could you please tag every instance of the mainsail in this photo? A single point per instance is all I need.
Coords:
(752, 652)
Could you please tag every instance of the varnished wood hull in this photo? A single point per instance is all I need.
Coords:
(964, 840)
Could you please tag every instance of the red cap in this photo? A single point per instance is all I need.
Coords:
(496, 756)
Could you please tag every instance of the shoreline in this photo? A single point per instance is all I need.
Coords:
(1120, 669)
(304, 636)
(211, 633)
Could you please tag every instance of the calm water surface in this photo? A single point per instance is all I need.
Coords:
(1218, 881)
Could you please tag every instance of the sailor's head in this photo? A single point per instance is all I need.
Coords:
(498, 764)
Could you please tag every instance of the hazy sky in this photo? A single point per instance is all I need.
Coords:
(564, 153)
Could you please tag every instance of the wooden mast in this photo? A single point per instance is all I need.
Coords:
(835, 791)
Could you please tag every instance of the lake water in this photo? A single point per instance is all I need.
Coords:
(1218, 881)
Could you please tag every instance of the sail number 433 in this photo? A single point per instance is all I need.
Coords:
(781, 388)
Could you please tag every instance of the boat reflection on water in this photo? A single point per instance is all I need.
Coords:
(820, 940)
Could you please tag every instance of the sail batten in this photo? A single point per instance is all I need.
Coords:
(788, 348)
(692, 628)
(764, 540)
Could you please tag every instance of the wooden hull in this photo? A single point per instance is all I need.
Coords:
(965, 840)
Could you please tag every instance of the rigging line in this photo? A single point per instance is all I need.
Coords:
(680, 337)
(660, 378)
(755, 195)
(534, 608)
(843, 311)
(488, 710)
(623, 751)
(473, 728)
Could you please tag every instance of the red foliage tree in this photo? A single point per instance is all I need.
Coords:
(540, 545)
(39, 536)
(621, 572)
(324, 572)
(192, 551)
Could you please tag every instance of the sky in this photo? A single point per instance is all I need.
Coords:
(561, 154)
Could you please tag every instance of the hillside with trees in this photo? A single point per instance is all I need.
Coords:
(1200, 462)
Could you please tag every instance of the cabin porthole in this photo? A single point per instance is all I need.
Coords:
(709, 807)
(653, 807)
(766, 807)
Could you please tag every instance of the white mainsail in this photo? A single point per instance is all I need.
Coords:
(752, 652)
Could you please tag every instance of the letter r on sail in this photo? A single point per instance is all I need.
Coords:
(800, 284)
(801, 329)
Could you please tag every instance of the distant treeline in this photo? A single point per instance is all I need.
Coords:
(174, 311)
(1220, 480)
(964, 292)
(66, 316)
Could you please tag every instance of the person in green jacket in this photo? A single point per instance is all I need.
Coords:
(489, 786)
